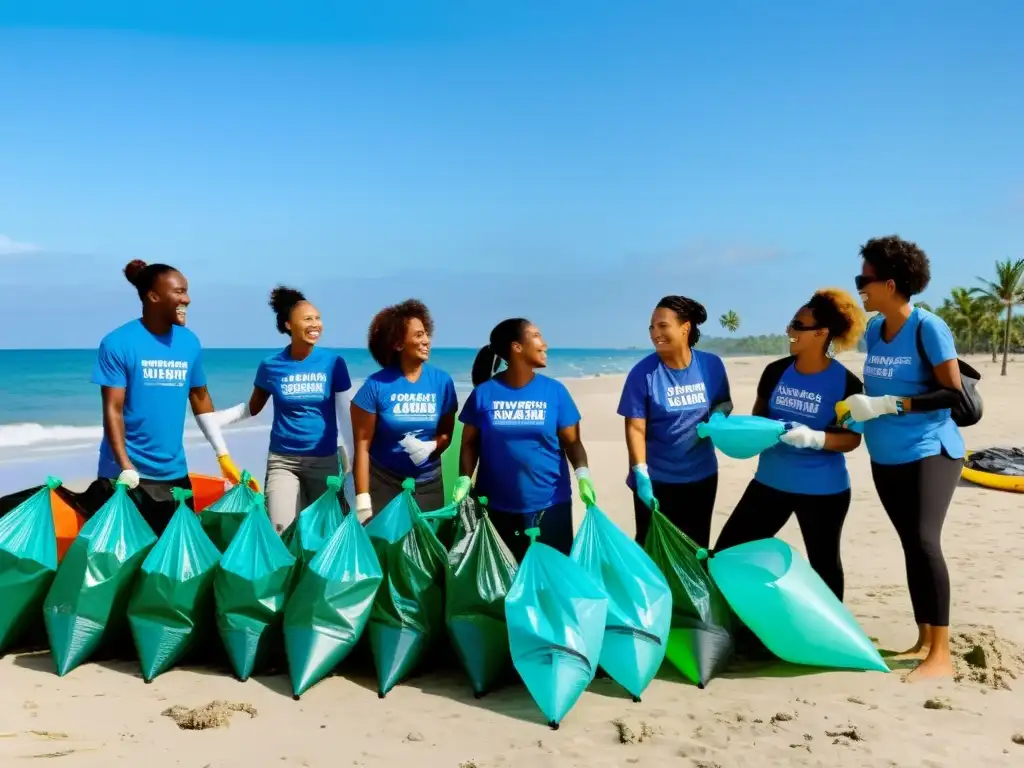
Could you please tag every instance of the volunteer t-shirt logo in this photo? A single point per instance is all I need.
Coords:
(885, 366)
(684, 397)
(304, 385)
(797, 400)
(519, 412)
(414, 406)
(164, 373)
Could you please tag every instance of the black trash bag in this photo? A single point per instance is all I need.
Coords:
(998, 461)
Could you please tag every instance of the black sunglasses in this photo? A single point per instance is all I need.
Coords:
(863, 281)
(796, 325)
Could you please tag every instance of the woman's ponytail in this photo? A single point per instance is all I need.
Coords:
(484, 365)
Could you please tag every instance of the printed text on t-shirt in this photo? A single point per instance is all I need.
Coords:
(165, 373)
(304, 385)
(798, 400)
(685, 396)
(414, 406)
(519, 412)
(884, 366)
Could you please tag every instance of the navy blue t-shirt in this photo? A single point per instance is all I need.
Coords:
(809, 400)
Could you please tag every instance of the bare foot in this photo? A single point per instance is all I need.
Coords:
(936, 665)
(917, 652)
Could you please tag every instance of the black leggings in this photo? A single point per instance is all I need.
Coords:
(916, 497)
(688, 506)
(152, 498)
(555, 525)
(763, 511)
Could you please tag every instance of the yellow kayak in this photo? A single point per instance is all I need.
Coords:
(992, 480)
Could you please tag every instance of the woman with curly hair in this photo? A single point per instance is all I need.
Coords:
(806, 473)
(403, 415)
(665, 397)
(311, 391)
(911, 381)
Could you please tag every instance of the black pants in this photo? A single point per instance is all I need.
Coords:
(688, 506)
(763, 511)
(152, 498)
(916, 497)
(555, 525)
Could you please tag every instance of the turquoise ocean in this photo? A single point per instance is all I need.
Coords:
(50, 420)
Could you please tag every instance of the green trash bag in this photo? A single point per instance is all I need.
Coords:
(330, 606)
(482, 574)
(28, 563)
(250, 585)
(450, 462)
(700, 641)
(87, 602)
(314, 525)
(172, 608)
(556, 617)
(639, 601)
(777, 594)
(408, 613)
(222, 519)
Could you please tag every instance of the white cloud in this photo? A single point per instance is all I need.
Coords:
(9, 247)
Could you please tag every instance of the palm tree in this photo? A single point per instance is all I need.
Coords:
(967, 314)
(730, 321)
(1007, 290)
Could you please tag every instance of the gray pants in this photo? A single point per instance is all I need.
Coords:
(295, 482)
(386, 485)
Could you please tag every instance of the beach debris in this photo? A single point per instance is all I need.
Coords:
(845, 734)
(414, 736)
(780, 717)
(627, 735)
(938, 703)
(980, 656)
(1018, 738)
(216, 714)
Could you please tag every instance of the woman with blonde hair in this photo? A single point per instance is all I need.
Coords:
(806, 473)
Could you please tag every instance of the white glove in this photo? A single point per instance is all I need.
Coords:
(419, 450)
(864, 408)
(129, 477)
(364, 507)
(802, 436)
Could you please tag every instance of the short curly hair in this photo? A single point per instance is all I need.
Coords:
(841, 314)
(899, 260)
(388, 327)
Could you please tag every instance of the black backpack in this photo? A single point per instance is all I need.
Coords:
(968, 411)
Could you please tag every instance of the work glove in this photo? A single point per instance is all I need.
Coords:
(232, 474)
(864, 408)
(644, 489)
(588, 495)
(419, 450)
(461, 489)
(129, 478)
(364, 507)
(801, 436)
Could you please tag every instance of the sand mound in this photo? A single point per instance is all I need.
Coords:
(216, 714)
(981, 656)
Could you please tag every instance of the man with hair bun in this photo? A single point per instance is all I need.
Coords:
(148, 370)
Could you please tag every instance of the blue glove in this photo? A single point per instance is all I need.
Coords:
(644, 489)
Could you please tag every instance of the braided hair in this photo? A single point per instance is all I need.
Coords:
(503, 336)
(688, 311)
(283, 300)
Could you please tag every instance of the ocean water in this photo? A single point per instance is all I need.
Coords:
(50, 420)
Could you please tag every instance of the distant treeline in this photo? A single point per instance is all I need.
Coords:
(773, 344)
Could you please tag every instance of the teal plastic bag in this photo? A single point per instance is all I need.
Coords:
(556, 618)
(408, 612)
(330, 607)
(315, 524)
(741, 437)
(639, 601)
(251, 585)
(222, 519)
(88, 599)
(28, 563)
(483, 570)
(700, 640)
(172, 608)
(783, 601)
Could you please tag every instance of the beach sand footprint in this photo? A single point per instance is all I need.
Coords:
(980, 656)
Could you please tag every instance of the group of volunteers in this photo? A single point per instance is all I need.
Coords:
(521, 429)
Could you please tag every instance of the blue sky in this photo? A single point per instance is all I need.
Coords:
(572, 161)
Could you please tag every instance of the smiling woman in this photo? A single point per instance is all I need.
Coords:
(311, 390)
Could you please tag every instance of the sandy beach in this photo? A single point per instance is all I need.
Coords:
(768, 715)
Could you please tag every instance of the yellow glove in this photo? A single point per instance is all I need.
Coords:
(232, 474)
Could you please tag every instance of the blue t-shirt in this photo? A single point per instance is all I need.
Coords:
(808, 399)
(522, 467)
(406, 409)
(157, 373)
(896, 368)
(674, 402)
(305, 414)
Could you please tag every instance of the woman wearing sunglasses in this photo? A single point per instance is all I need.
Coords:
(806, 474)
(916, 450)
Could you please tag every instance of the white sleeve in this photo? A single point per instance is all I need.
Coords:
(211, 423)
(346, 443)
